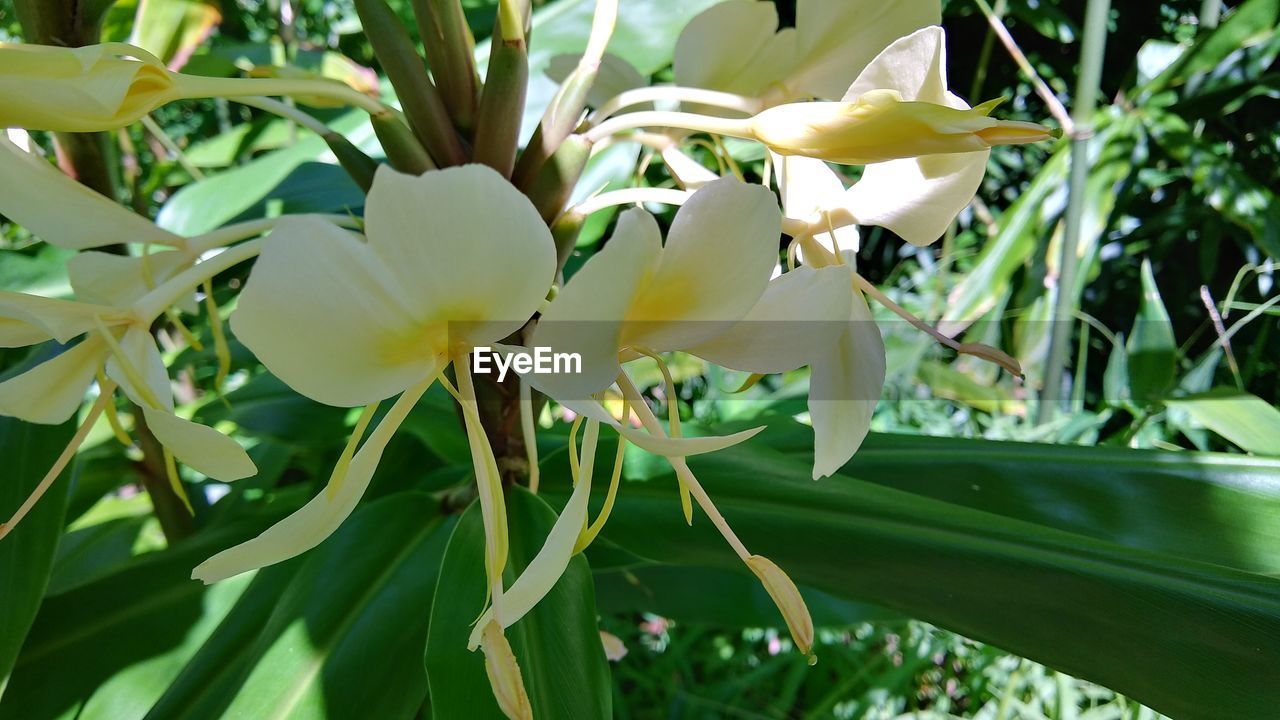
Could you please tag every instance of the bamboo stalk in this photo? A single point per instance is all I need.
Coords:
(1082, 112)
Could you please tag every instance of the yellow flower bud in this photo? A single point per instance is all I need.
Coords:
(881, 126)
(504, 674)
(86, 89)
(787, 597)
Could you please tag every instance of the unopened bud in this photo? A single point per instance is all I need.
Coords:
(881, 126)
(787, 597)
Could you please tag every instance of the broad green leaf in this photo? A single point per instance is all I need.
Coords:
(26, 554)
(1252, 23)
(1209, 507)
(267, 407)
(557, 644)
(361, 597)
(1152, 348)
(1181, 636)
(173, 29)
(1246, 420)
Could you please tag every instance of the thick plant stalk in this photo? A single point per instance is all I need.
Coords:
(450, 47)
(404, 68)
(1095, 43)
(502, 102)
(571, 99)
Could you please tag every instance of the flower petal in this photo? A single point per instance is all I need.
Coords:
(719, 47)
(843, 391)
(917, 198)
(720, 252)
(24, 316)
(586, 317)
(50, 392)
(322, 313)
(204, 449)
(119, 280)
(664, 446)
(809, 186)
(466, 247)
(61, 211)
(837, 38)
(319, 518)
(142, 354)
(800, 316)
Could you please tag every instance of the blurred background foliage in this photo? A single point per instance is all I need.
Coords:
(1174, 347)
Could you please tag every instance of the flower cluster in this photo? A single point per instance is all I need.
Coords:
(357, 312)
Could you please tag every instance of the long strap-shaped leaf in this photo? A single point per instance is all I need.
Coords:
(1191, 639)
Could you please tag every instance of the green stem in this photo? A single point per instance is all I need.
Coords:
(451, 47)
(502, 103)
(1082, 112)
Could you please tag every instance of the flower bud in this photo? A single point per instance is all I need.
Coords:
(99, 87)
(881, 126)
(504, 673)
(787, 598)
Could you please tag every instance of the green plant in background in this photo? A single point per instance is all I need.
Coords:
(1148, 571)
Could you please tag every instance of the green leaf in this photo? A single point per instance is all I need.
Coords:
(1209, 507)
(173, 29)
(1246, 420)
(1252, 23)
(1181, 636)
(26, 554)
(557, 644)
(1152, 348)
(361, 597)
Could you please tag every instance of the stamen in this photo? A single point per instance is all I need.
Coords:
(113, 418)
(673, 420)
(588, 535)
(175, 481)
(835, 241)
(348, 452)
(749, 383)
(979, 350)
(527, 429)
(220, 347)
(172, 316)
(574, 469)
(104, 399)
(489, 483)
(733, 166)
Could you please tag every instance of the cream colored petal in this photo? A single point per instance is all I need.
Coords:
(204, 449)
(800, 316)
(50, 392)
(22, 314)
(144, 358)
(541, 574)
(688, 172)
(319, 518)
(720, 252)
(119, 280)
(838, 38)
(465, 246)
(586, 317)
(62, 212)
(716, 49)
(843, 391)
(808, 187)
(917, 198)
(323, 314)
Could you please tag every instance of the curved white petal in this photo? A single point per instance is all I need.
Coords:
(586, 317)
(719, 47)
(838, 38)
(844, 387)
(319, 518)
(720, 252)
(23, 315)
(324, 315)
(808, 187)
(62, 212)
(800, 316)
(917, 198)
(119, 280)
(466, 247)
(50, 392)
(142, 354)
(204, 449)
